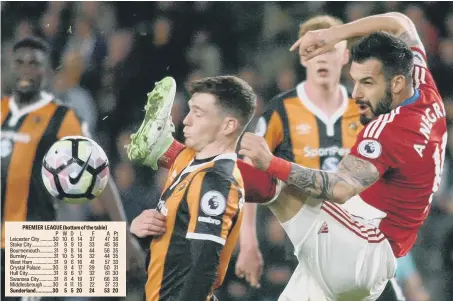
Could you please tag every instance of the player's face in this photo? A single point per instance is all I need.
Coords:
(29, 69)
(203, 124)
(326, 68)
(371, 90)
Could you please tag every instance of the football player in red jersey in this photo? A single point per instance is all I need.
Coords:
(385, 185)
(352, 224)
(314, 124)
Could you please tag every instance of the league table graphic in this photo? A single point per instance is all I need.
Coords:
(65, 259)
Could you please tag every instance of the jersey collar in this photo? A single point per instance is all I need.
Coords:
(328, 121)
(411, 99)
(190, 168)
(17, 113)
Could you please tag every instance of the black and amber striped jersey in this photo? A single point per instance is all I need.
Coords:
(298, 131)
(26, 135)
(202, 200)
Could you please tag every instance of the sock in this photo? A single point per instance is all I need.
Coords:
(259, 186)
(167, 159)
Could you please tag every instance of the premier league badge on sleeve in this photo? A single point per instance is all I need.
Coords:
(370, 149)
(213, 203)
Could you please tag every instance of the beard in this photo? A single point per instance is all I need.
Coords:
(28, 93)
(383, 106)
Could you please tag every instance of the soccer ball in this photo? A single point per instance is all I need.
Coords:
(75, 169)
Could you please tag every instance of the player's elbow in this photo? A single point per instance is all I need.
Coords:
(403, 22)
(343, 195)
(340, 199)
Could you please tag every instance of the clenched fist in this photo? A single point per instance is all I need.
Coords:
(256, 149)
(149, 222)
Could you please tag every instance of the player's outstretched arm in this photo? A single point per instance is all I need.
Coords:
(407, 31)
(321, 41)
(353, 176)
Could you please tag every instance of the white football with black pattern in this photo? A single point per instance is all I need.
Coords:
(75, 169)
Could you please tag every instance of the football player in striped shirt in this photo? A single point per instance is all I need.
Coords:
(199, 213)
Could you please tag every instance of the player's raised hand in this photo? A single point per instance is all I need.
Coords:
(316, 42)
(149, 222)
(256, 149)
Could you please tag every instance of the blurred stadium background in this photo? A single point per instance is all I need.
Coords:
(107, 55)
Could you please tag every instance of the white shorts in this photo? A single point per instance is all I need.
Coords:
(302, 286)
(348, 258)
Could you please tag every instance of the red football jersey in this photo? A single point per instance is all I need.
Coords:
(407, 146)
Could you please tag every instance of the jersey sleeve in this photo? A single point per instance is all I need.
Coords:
(214, 203)
(270, 126)
(423, 79)
(72, 125)
(380, 143)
